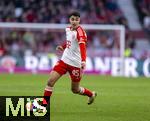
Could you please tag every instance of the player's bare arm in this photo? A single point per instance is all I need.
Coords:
(61, 47)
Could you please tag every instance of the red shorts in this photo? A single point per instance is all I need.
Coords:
(74, 72)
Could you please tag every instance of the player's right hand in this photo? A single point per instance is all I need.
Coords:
(83, 65)
(59, 48)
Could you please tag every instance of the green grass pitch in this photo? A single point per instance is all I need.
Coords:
(119, 99)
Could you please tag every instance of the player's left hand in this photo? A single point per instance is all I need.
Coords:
(83, 65)
(59, 48)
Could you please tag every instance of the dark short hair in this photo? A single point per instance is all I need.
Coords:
(75, 13)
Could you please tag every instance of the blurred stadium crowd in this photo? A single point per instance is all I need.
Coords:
(143, 8)
(21, 42)
(56, 11)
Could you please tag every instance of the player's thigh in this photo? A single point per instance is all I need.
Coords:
(54, 76)
(59, 69)
(75, 74)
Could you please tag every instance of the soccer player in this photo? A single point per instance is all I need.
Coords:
(72, 61)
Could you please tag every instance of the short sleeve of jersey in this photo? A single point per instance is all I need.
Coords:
(81, 35)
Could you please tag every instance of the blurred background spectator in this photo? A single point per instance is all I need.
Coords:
(143, 8)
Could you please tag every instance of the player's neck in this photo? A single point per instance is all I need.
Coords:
(73, 28)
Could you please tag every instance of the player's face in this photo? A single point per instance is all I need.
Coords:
(74, 21)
